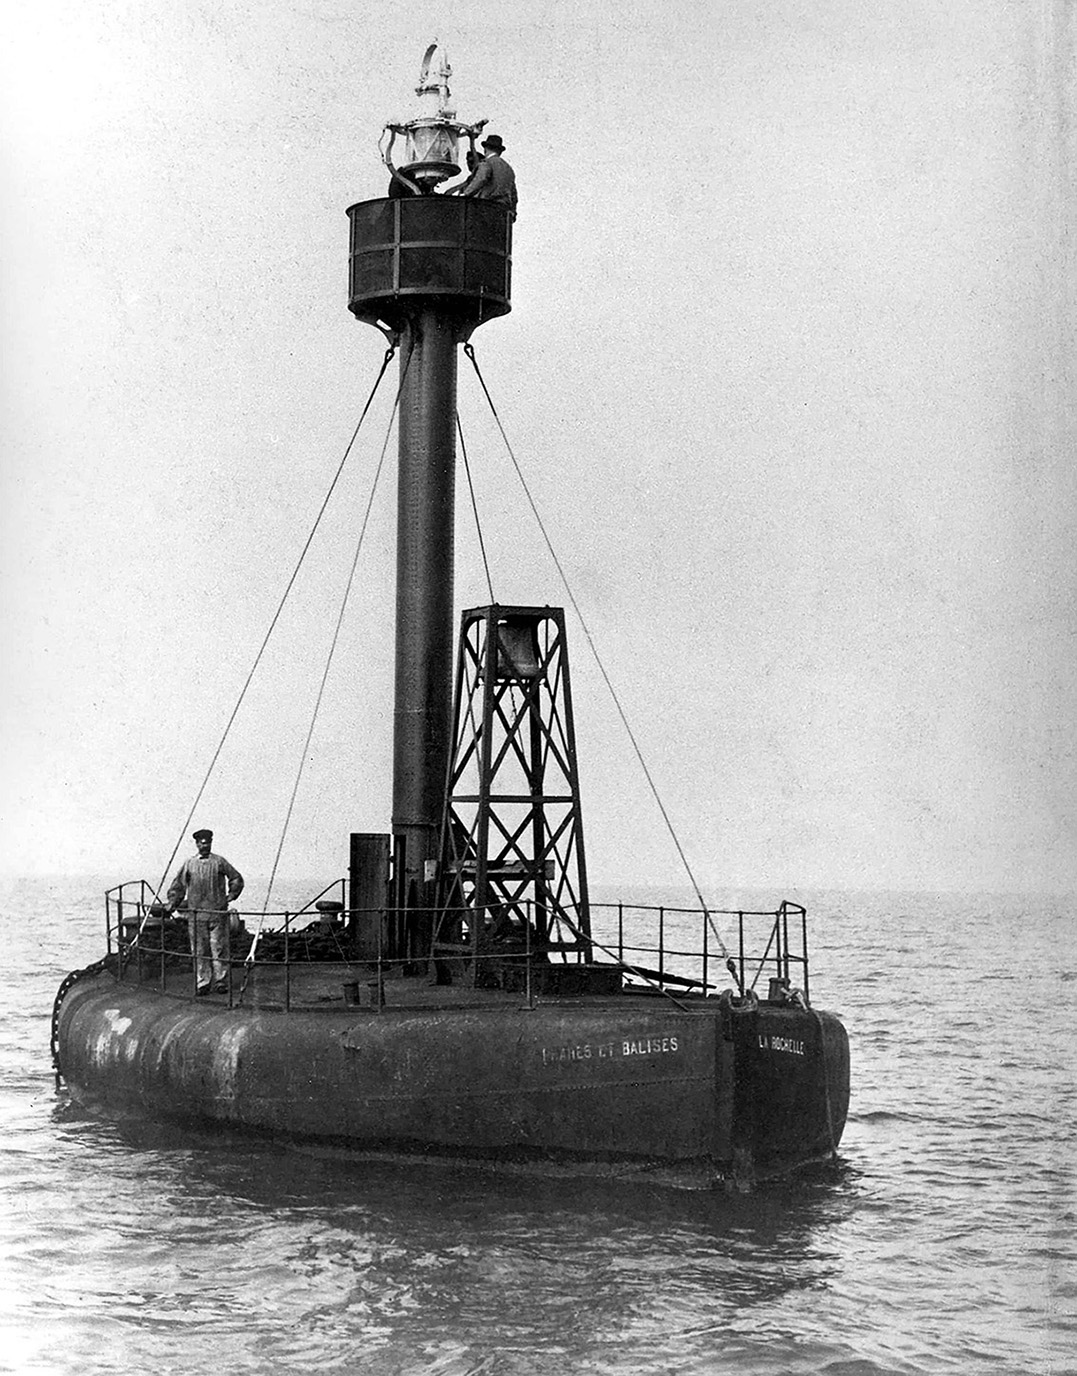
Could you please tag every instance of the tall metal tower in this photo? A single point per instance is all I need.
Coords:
(512, 871)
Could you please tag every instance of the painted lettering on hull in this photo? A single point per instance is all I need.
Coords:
(610, 1051)
(769, 1042)
(554, 1055)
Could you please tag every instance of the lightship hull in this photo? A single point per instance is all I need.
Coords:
(635, 1081)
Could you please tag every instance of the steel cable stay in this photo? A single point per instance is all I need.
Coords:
(330, 655)
(626, 965)
(475, 509)
(453, 765)
(482, 551)
(479, 535)
(387, 359)
(328, 666)
(470, 352)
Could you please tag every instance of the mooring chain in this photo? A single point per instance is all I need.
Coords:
(470, 353)
(61, 994)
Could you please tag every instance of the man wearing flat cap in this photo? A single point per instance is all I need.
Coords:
(493, 179)
(205, 885)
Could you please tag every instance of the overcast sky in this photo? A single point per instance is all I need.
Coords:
(789, 370)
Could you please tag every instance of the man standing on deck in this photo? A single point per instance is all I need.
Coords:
(492, 179)
(205, 885)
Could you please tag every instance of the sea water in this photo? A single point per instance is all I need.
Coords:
(944, 1242)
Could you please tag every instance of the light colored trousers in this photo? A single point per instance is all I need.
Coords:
(209, 944)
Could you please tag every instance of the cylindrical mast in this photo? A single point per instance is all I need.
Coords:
(427, 270)
(424, 586)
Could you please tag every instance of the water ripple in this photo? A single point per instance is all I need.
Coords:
(943, 1244)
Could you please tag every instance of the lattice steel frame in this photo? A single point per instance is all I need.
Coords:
(512, 839)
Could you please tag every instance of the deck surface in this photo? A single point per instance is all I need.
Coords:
(310, 987)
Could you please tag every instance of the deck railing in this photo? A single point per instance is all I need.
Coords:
(685, 946)
(679, 951)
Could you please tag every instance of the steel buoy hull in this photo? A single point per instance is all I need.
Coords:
(628, 1080)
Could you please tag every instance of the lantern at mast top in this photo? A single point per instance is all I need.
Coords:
(432, 139)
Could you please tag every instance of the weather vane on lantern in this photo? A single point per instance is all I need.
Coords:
(432, 139)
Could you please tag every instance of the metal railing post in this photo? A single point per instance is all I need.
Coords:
(740, 934)
(228, 947)
(379, 979)
(661, 945)
(142, 915)
(287, 963)
(706, 948)
(804, 949)
(785, 942)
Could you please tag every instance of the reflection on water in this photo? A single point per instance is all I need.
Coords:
(329, 1259)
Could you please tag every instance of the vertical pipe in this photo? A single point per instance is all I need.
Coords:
(481, 898)
(424, 592)
(527, 956)
(392, 928)
(353, 886)
(538, 819)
